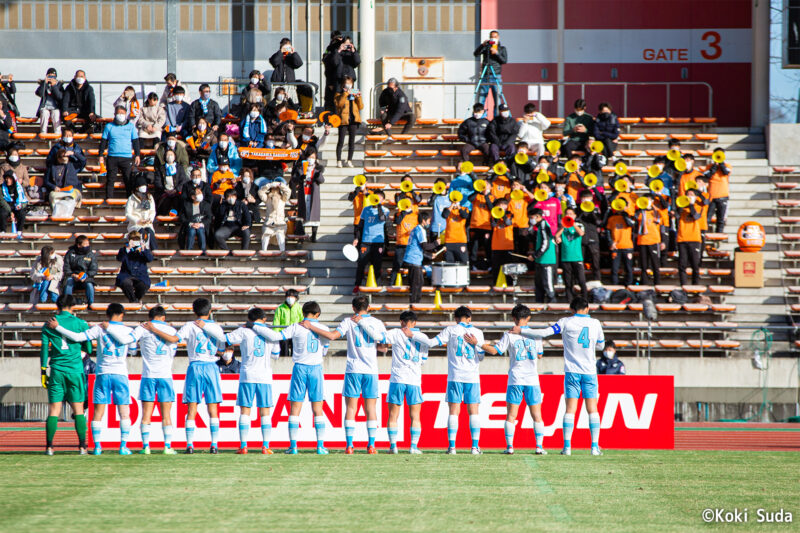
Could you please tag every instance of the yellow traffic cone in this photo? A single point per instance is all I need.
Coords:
(501, 280)
(398, 280)
(371, 278)
(437, 299)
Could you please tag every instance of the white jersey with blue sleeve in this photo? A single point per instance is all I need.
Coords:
(157, 355)
(308, 348)
(582, 336)
(522, 355)
(201, 346)
(362, 353)
(462, 357)
(113, 345)
(257, 355)
(408, 356)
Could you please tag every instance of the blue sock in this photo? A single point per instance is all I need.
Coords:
(214, 426)
(124, 431)
(266, 431)
(452, 429)
(475, 429)
(349, 431)
(244, 430)
(97, 428)
(372, 428)
(569, 425)
(319, 424)
(392, 436)
(294, 427)
(415, 433)
(145, 429)
(594, 428)
(190, 433)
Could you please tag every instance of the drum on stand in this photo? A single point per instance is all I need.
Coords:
(449, 275)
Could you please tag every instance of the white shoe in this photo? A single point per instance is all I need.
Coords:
(349, 164)
(338, 164)
(509, 450)
(415, 451)
(393, 450)
(597, 451)
(566, 451)
(476, 451)
(451, 451)
(540, 451)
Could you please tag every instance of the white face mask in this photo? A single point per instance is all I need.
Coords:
(254, 114)
(223, 145)
(311, 163)
(270, 144)
(206, 96)
(135, 244)
(142, 189)
(179, 98)
(290, 301)
(80, 81)
(348, 87)
(246, 179)
(609, 354)
(477, 115)
(505, 114)
(232, 200)
(171, 144)
(254, 80)
(281, 97)
(13, 158)
(170, 159)
(227, 356)
(224, 169)
(580, 112)
(196, 181)
(120, 117)
(199, 197)
(201, 127)
(306, 138)
(67, 140)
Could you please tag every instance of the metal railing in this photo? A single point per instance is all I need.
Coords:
(467, 94)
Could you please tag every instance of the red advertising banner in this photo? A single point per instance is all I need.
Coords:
(635, 412)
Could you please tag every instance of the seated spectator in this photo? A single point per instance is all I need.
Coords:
(179, 114)
(606, 129)
(253, 94)
(79, 101)
(46, 274)
(140, 213)
(173, 142)
(131, 104)
(227, 150)
(280, 97)
(348, 106)
(7, 91)
(20, 170)
(151, 120)
(285, 61)
(75, 153)
(473, 132)
(171, 84)
(609, 363)
(133, 277)
(227, 363)
(6, 125)
(51, 98)
(222, 180)
(62, 185)
(15, 202)
(281, 132)
(196, 181)
(247, 192)
(201, 140)
(206, 108)
(232, 220)
(121, 138)
(274, 194)
(578, 126)
(308, 177)
(253, 129)
(169, 181)
(502, 133)
(80, 268)
(309, 142)
(532, 128)
(395, 107)
(195, 216)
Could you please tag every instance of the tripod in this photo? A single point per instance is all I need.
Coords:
(487, 85)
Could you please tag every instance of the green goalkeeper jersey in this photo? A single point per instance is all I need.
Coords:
(64, 355)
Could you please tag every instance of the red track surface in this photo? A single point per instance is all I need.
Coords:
(29, 436)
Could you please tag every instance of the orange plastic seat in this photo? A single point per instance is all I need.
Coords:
(426, 136)
(376, 137)
(24, 136)
(679, 120)
(371, 290)
(629, 120)
(452, 121)
(374, 170)
(706, 136)
(427, 170)
(426, 153)
(681, 136)
(671, 343)
(629, 136)
(401, 153)
(654, 120)
(449, 137)
(704, 120)
(427, 121)
(375, 153)
(727, 344)
(655, 136)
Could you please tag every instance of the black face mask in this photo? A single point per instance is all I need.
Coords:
(83, 249)
(603, 116)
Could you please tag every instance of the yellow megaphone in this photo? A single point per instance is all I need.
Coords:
(718, 156)
(404, 204)
(673, 155)
(498, 212)
(540, 195)
(621, 185)
(621, 168)
(691, 184)
(596, 147)
(439, 187)
(373, 199)
(682, 201)
(521, 158)
(553, 146)
(653, 171)
(656, 186)
(479, 185)
(590, 180)
(467, 167)
(587, 206)
(680, 164)
(500, 168)
(542, 177)
(359, 180)
(407, 186)
(517, 195)
(618, 205)
(571, 166)
(643, 202)
(456, 196)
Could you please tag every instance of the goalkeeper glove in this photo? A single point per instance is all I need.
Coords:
(44, 377)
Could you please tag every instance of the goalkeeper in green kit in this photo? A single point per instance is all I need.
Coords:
(66, 381)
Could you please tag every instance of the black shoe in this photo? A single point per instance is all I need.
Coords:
(213, 450)
(189, 450)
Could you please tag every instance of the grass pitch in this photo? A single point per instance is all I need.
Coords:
(621, 491)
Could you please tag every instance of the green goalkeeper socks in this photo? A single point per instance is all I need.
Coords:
(51, 426)
(80, 428)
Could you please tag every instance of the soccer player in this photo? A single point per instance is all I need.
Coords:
(67, 380)
(158, 343)
(202, 377)
(463, 376)
(255, 377)
(307, 376)
(361, 372)
(582, 335)
(523, 377)
(111, 383)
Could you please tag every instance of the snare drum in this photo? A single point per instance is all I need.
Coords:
(449, 275)
(515, 269)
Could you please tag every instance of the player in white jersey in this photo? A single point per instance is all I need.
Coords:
(202, 377)
(523, 376)
(307, 375)
(582, 336)
(111, 382)
(158, 343)
(361, 372)
(255, 377)
(463, 375)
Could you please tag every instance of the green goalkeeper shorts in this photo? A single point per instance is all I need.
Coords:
(66, 386)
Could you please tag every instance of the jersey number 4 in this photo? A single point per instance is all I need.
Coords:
(583, 338)
(465, 349)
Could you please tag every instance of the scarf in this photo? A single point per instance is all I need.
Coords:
(133, 108)
(16, 197)
(204, 105)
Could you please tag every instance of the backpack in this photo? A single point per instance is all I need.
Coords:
(678, 296)
(647, 294)
(599, 295)
(622, 296)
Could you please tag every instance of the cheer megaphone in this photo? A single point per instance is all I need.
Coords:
(404, 204)
(682, 201)
(456, 196)
(517, 195)
(500, 168)
(643, 202)
(479, 185)
(653, 171)
(587, 206)
(498, 212)
(691, 184)
(673, 155)
(590, 180)
(540, 195)
(553, 146)
(620, 169)
(656, 185)
(571, 166)
(618, 205)
(621, 186)
(718, 156)
(542, 177)
(521, 158)
(680, 164)
(596, 147)
(373, 199)
(407, 186)
(359, 180)
(567, 221)
(439, 187)
(467, 167)
(288, 115)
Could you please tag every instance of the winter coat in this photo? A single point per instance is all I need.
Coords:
(179, 178)
(78, 157)
(59, 176)
(532, 132)
(284, 66)
(344, 108)
(241, 214)
(234, 160)
(396, 104)
(134, 265)
(474, 131)
(56, 272)
(181, 155)
(20, 171)
(503, 131)
(213, 113)
(606, 126)
(155, 116)
(274, 195)
(140, 213)
(75, 263)
(78, 99)
(496, 61)
(316, 179)
(55, 91)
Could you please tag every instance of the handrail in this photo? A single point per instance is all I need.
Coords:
(582, 84)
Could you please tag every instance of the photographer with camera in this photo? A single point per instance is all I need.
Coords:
(493, 56)
(51, 94)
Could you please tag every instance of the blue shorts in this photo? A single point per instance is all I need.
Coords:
(399, 391)
(306, 378)
(575, 384)
(458, 392)
(356, 385)
(108, 387)
(531, 393)
(160, 388)
(202, 380)
(260, 392)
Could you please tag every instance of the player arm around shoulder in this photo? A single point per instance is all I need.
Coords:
(212, 330)
(314, 328)
(88, 335)
(487, 347)
(161, 334)
(267, 333)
